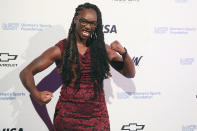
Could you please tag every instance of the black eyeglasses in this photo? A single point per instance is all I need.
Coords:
(84, 22)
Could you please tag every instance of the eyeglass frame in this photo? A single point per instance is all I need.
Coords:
(85, 22)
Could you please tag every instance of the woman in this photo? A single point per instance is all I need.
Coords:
(83, 62)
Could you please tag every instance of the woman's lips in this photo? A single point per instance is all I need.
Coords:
(86, 33)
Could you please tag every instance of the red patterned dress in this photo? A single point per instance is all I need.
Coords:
(79, 112)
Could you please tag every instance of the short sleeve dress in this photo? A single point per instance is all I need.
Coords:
(79, 112)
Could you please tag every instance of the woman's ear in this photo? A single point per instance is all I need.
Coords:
(75, 19)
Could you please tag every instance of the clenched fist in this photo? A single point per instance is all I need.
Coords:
(43, 97)
(116, 46)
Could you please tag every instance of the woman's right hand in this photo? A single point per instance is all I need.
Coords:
(43, 97)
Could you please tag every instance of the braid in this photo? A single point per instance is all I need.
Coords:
(99, 60)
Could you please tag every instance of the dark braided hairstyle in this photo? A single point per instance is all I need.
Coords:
(99, 60)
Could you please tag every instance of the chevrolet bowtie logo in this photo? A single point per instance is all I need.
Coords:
(132, 127)
(5, 57)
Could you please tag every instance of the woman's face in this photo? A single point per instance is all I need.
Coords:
(86, 23)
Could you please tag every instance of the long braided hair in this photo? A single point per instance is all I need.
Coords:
(99, 60)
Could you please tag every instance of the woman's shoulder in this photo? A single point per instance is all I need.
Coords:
(61, 44)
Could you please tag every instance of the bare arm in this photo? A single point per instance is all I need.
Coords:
(128, 69)
(38, 65)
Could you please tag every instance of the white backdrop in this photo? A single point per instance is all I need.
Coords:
(160, 35)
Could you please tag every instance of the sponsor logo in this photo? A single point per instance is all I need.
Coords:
(137, 95)
(174, 30)
(137, 60)
(8, 65)
(181, 1)
(186, 61)
(13, 26)
(6, 57)
(34, 27)
(13, 129)
(189, 128)
(132, 127)
(161, 30)
(10, 26)
(109, 29)
(10, 95)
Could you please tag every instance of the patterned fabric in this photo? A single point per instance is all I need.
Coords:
(78, 111)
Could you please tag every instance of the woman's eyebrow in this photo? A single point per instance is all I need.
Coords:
(86, 19)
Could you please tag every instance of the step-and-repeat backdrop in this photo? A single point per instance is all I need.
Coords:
(160, 36)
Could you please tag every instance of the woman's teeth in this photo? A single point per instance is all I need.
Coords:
(85, 33)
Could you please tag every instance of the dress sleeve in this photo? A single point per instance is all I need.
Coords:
(61, 45)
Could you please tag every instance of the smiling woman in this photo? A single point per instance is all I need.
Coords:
(83, 61)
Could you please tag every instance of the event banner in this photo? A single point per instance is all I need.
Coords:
(160, 36)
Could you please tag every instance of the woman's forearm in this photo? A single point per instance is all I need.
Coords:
(27, 79)
(129, 67)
